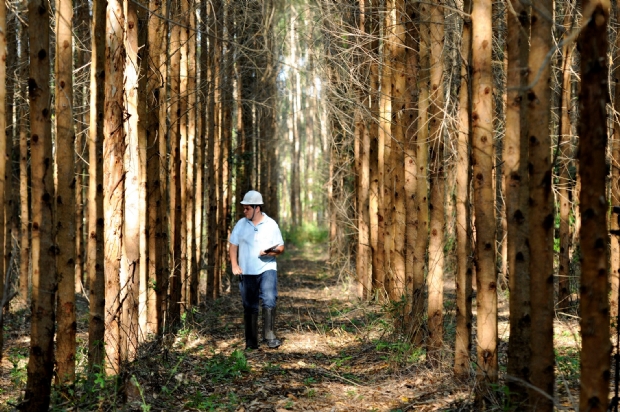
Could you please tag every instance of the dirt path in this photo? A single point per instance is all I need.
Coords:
(338, 355)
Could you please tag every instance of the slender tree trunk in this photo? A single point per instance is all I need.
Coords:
(386, 182)
(463, 219)
(482, 158)
(96, 279)
(3, 141)
(130, 279)
(113, 181)
(192, 164)
(541, 216)
(594, 302)
(156, 93)
(174, 168)
(376, 238)
(164, 140)
(24, 181)
(438, 181)
(399, 99)
(183, 142)
(201, 160)
(517, 197)
(41, 361)
(421, 244)
(411, 204)
(65, 194)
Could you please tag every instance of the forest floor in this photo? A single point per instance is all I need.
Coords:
(337, 355)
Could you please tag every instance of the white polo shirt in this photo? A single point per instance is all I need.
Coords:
(251, 239)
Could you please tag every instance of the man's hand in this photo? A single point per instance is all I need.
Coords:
(237, 270)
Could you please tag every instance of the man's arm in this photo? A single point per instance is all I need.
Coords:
(232, 251)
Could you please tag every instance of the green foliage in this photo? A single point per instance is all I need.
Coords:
(567, 361)
(308, 233)
(400, 352)
(213, 402)
(220, 368)
(19, 359)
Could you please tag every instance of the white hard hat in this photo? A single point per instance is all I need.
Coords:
(252, 198)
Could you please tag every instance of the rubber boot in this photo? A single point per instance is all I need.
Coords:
(251, 330)
(269, 337)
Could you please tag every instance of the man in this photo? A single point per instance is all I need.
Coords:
(255, 242)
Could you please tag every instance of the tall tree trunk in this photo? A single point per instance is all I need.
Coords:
(399, 99)
(65, 194)
(3, 140)
(156, 93)
(411, 204)
(192, 164)
(482, 158)
(386, 183)
(421, 244)
(541, 216)
(517, 197)
(464, 294)
(376, 238)
(130, 284)
(96, 276)
(201, 160)
(362, 138)
(24, 181)
(213, 140)
(438, 181)
(41, 361)
(174, 168)
(183, 132)
(594, 303)
(113, 180)
(163, 143)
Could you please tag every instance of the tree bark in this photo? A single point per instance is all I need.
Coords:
(96, 277)
(464, 294)
(41, 361)
(438, 182)
(113, 181)
(594, 302)
(517, 197)
(541, 217)
(65, 195)
(482, 159)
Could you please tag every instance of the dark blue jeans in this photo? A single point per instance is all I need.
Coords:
(255, 287)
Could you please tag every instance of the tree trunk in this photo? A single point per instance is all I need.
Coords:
(24, 181)
(482, 158)
(421, 244)
(399, 98)
(541, 216)
(96, 277)
(174, 168)
(155, 97)
(113, 181)
(463, 219)
(517, 197)
(594, 302)
(130, 280)
(192, 164)
(65, 195)
(41, 361)
(386, 183)
(411, 204)
(438, 182)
